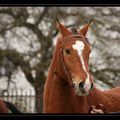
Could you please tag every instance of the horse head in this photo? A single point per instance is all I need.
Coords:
(74, 58)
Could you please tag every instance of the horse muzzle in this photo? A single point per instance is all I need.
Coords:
(82, 88)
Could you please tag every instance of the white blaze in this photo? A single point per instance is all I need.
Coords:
(79, 46)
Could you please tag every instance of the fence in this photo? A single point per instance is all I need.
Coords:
(24, 100)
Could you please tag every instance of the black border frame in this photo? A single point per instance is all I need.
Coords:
(67, 3)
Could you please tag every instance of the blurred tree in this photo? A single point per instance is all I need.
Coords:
(28, 34)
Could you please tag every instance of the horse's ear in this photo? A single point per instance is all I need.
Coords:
(63, 30)
(84, 30)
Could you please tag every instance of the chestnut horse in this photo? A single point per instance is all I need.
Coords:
(7, 107)
(69, 87)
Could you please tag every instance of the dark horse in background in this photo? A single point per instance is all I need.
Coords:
(7, 107)
(69, 87)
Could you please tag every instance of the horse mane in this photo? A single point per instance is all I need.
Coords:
(52, 69)
(6, 106)
(74, 30)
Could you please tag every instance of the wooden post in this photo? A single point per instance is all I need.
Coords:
(26, 101)
(30, 100)
(21, 99)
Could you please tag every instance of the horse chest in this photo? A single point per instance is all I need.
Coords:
(62, 99)
(56, 99)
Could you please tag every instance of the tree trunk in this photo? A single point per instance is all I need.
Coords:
(39, 98)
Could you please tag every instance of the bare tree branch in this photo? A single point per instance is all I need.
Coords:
(40, 18)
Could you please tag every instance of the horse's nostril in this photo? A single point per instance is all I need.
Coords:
(91, 86)
(81, 85)
(73, 84)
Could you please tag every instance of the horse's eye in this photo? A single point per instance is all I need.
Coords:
(67, 51)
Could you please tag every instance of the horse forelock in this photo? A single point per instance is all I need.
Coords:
(74, 30)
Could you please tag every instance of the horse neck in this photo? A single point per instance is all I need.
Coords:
(56, 64)
(96, 97)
